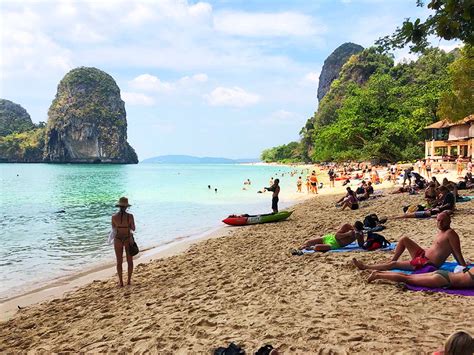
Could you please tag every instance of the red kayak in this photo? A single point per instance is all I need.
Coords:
(245, 219)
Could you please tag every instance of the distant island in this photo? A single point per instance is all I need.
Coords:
(188, 159)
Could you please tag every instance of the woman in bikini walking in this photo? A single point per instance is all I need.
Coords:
(123, 223)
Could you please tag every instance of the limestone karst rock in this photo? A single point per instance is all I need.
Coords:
(333, 65)
(13, 118)
(87, 121)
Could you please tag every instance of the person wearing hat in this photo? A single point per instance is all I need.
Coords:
(123, 223)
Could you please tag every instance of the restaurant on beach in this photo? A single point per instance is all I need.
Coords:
(447, 140)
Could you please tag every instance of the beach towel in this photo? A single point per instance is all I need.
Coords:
(465, 198)
(451, 291)
(448, 266)
(351, 247)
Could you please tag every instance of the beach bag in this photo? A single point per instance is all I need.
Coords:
(134, 248)
(413, 208)
(371, 221)
(232, 349)
(375, 241)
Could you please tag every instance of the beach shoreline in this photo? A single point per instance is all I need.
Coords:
(61, 286)
(246, 287)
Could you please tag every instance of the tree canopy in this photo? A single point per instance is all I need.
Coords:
(451, 20)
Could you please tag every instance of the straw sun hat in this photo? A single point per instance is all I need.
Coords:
(123, 202)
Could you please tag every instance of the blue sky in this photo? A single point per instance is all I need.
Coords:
(216, 78)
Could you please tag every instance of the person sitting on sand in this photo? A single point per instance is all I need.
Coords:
(123, 223)
(446, 243)
(452, 186)
(445, 203)
(275, 188)
(430, 194)
(459, 343)
(349, 201)
(436, 279)
(345, 235)
(368, 190)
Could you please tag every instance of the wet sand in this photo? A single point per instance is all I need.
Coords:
(246, 287)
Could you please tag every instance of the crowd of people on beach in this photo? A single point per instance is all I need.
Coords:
(423, 269)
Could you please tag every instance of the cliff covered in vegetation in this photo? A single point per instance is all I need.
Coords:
(20, 139)
(377, 109)
(87, 121)
(86, 124)
(333, 64)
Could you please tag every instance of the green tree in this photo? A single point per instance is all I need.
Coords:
(458, 102)
(452, 19)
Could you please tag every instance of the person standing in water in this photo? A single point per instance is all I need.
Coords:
(299, 184)
(275, 188)
(123, 223)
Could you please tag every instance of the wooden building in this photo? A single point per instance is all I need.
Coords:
(448, 140)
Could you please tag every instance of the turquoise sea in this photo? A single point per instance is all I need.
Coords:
(55, 218)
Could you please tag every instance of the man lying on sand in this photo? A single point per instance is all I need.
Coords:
(447, 204)
(345, 235)
(437, 279)
(446, 243)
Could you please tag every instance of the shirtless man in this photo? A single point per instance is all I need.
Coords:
(275, 188)
(446, 243)
(345, 235)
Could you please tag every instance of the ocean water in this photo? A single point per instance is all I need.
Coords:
(55, 218)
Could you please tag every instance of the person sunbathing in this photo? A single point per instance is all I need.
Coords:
(445, 203)
(446, 243)
(345, 235)
(436, 279)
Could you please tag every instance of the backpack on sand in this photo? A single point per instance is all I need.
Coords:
(371, 221)
(232, 349)
(375, 241)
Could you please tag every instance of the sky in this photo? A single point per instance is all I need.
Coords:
(223, 78)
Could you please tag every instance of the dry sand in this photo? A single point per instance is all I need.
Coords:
(247, 288)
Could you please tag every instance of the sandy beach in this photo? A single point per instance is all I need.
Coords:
(246, 287)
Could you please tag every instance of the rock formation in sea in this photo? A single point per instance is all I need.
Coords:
(333, 64)
(87, 121)
(13, 118)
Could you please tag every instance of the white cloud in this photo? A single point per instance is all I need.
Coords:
(266, 24)
(137, 99)
(66, 8)
(311, 78)
(200, 10)
(149, 82)
(83, 33)
(233, 97)
(200, 77)
(139, 15)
